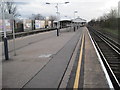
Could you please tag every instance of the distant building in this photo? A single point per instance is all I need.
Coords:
(68, 22)
(65, 22)
(79, 21)
(119, 9)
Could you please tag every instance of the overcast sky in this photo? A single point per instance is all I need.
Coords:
(87, 9)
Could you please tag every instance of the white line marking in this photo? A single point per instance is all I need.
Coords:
(45, 55)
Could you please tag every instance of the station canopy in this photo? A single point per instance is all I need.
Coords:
(65, 19)
(79, 20)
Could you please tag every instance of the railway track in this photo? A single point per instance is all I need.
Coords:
(110, 54)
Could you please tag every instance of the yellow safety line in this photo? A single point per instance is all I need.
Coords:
(76, 82)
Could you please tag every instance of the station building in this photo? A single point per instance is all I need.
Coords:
(67, 22)
(79, 21)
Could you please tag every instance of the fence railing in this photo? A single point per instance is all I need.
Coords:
(25, 33)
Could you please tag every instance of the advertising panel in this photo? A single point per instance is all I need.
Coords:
(27, 25)
(7, 25)
(1, 26)
(42, 24)
(37, 24)
(49, 24)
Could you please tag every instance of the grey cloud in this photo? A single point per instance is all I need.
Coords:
(87, 9)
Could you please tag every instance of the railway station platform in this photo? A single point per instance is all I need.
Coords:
(52, 62)
(94, 75)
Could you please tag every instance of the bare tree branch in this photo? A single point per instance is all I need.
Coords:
(52, 18)
(11, 8)
(37, 17)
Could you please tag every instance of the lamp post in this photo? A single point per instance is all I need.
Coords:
(75, 13)
(5, 36)
(58, 13)
(13, 29)
(74, 19)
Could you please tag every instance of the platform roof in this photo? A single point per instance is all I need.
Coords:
(79, 20)
(65, 19)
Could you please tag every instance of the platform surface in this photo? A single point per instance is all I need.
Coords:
(94, 77)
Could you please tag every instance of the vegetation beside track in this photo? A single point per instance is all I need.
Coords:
(108, 24)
